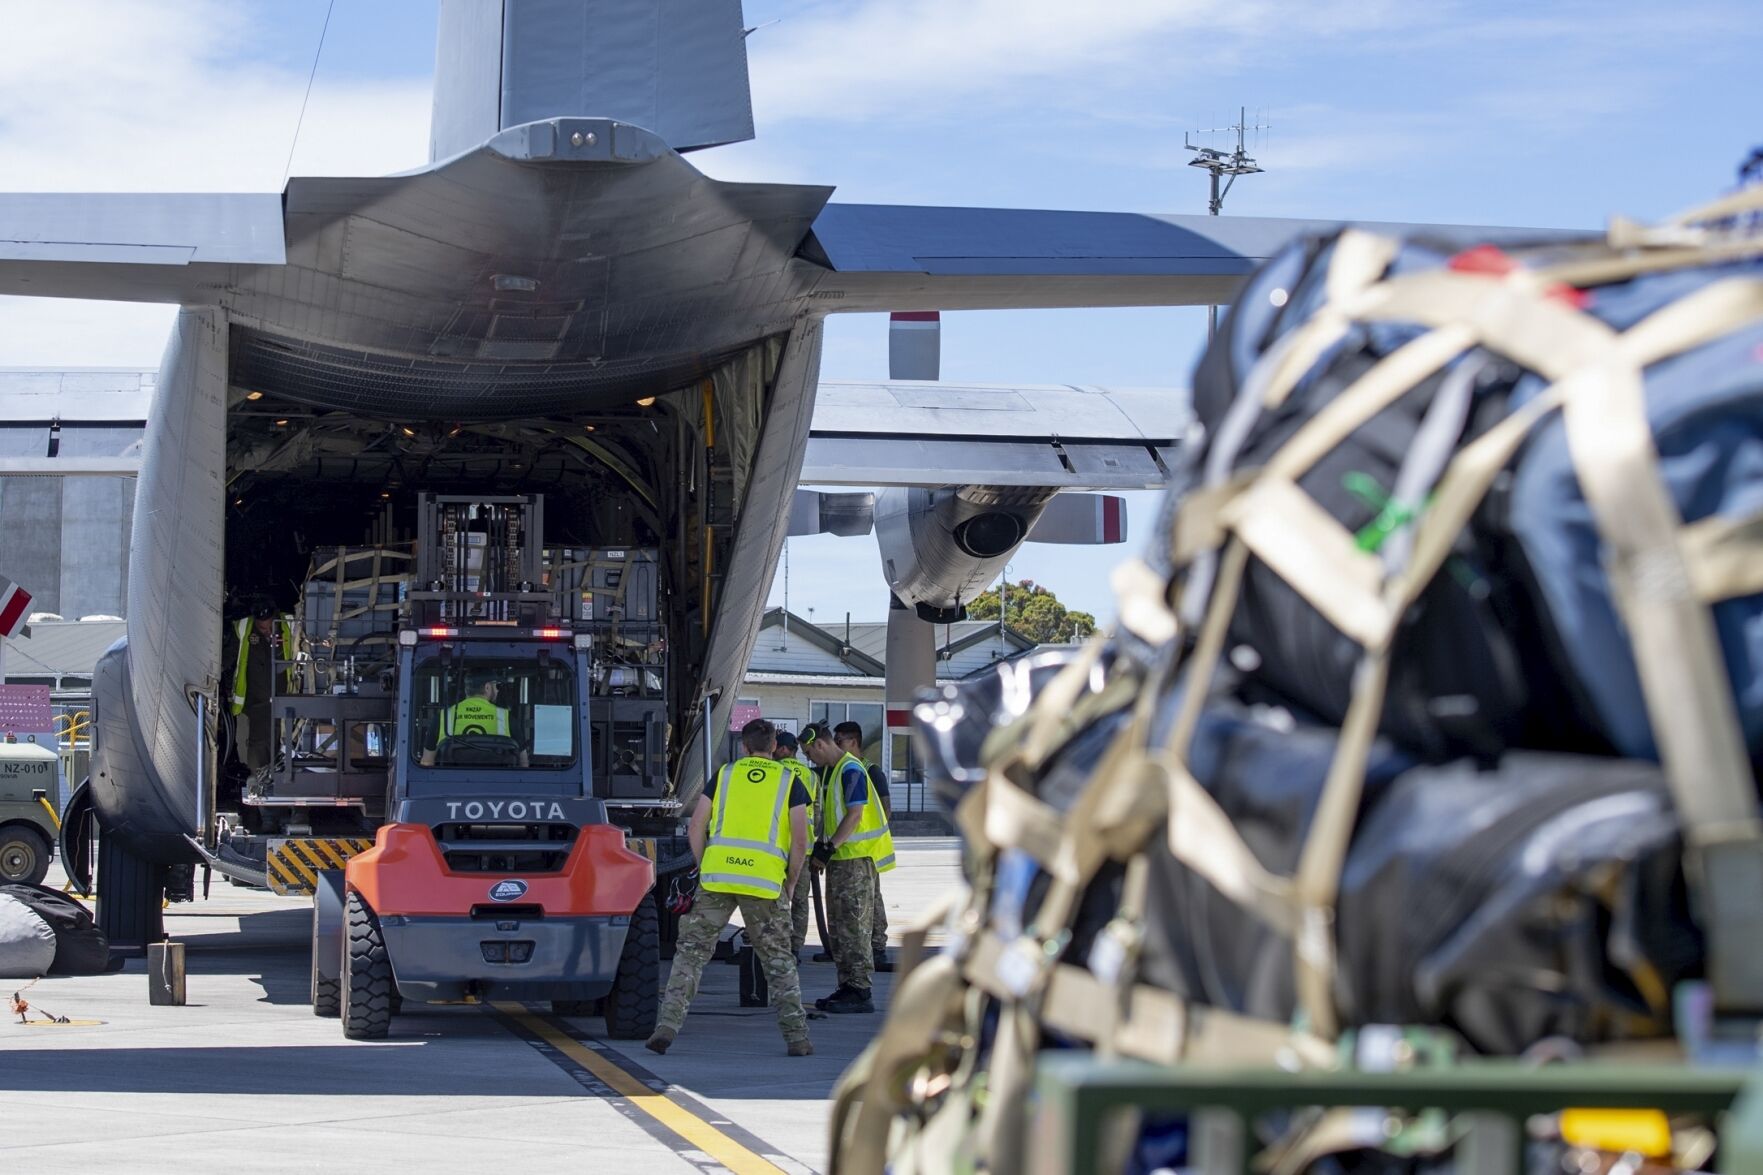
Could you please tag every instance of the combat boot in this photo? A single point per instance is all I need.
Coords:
(839, 993)
(800, 1048)
(658, 1042)
(855, 999)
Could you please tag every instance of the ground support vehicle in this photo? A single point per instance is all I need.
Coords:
(416, 918)
(496, 870)
(28, 823)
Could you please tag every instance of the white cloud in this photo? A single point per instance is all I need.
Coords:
(125, 95)
(886, 56)
(883, 56)
(756, 161)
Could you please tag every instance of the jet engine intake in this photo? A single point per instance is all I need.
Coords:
(940, 548)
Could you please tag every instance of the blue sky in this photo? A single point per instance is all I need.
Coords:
(1547, 114)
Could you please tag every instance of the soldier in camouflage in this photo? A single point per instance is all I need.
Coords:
(850, 885)
(729, 835)
(849, 736)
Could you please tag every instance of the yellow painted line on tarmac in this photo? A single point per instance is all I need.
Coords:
(658, 1106)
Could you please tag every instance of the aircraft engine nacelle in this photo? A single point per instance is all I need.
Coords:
(941, 548)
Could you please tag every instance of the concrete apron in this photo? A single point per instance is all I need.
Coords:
(245, 1078)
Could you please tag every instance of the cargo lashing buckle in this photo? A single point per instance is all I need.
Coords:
(964, 931)
(1024, 965)
(1116, 951)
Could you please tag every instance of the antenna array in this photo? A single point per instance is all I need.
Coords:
(1229, 164)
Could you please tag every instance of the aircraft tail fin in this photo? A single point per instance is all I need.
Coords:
(674, 67)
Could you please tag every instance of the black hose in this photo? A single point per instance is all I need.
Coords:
(78, 821)
(826, 940)
(675, 864)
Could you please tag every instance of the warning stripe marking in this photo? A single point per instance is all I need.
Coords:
(295, 863)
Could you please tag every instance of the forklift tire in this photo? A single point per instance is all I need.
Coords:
(327, 994)
(367, 975)
(328, 944)
(576, 1007)
(327, 998)
(635, 999)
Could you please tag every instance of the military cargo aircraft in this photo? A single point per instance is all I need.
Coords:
(560, 301)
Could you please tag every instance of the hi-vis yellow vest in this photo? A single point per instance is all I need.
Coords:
(242, 631)
(748, 849)
(872, 838)
(810, 784)
(472, 716)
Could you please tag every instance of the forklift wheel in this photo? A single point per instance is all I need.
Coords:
(367, 975)
(635, 999)
(327, 994)
(327, 998)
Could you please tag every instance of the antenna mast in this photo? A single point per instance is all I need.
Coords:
(784, 641)
(1218, 163)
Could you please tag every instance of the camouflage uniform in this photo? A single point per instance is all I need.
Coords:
(767, 927)
(802, 901)
(850, 908)
(801, 910)
(878, 931)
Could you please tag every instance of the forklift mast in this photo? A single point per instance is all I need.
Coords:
(476, 577)
(480, 561)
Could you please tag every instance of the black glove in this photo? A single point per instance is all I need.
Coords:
(823, 852)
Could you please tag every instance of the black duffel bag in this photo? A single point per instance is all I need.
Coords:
(1541, 896)
(1470, 672)
(1520, 639)
(80, 947)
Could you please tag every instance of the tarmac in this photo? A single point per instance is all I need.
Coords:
(244, 1078)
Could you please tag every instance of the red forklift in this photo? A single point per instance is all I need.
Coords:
(497, 875)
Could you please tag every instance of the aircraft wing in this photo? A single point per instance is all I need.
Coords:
(135, 247)
(932, 433)
(903, 257)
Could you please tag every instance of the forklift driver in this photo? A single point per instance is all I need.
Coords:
(475, 714)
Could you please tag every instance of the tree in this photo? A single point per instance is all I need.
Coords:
(1035, 612)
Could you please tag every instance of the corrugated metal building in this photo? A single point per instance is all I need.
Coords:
(66, 539)
(61, 654)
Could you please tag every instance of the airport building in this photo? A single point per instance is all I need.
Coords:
(801, 672)
(66, 538)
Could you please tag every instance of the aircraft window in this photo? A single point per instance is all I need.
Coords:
(494, 712)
